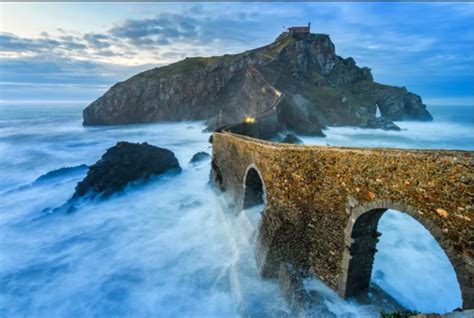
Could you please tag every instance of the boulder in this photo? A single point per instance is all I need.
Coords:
(291, 139)
(123, 163)
(381, 123)
(199, 156)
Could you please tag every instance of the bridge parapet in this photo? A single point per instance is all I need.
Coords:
(322, 204)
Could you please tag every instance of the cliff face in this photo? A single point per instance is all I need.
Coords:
(301, 76)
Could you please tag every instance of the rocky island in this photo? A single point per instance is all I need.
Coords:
(299, 76)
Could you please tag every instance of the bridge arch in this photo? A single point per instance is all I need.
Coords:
(254, 191)
(361, 238)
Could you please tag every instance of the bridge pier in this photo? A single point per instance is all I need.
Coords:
(362, 253)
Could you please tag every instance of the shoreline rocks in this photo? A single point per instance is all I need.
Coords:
(381, 123)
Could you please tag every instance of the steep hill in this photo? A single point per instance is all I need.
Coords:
(301, 75)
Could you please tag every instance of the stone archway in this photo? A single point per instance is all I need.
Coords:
(361, 238)
(254, 188)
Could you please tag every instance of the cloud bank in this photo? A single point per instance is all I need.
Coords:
(424, 46)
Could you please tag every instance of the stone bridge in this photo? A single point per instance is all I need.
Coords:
(323, 204)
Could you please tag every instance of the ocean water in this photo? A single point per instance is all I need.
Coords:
(452, 128)
(167, 248)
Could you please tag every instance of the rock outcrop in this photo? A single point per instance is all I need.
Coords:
(381, 123)
(199, 157)
(300, 76)
(123, 163)
(291, 139)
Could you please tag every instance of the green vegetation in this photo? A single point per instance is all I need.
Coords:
(315, 76)
(325, 94)
(186, 66)
(275, 49)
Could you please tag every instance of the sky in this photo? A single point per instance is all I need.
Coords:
(73, 52)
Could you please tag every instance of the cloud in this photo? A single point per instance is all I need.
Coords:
(10, 43)
(90, 46)
(96, 40)
(196, 31)
(173, 55)
(163, 29)
(61, 79)
(404, 43)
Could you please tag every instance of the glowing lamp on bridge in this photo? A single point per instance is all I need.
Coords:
(250, 120)
(277, 93)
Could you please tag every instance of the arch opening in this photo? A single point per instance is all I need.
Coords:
(254, 195)
(396, 253)
(253, 189)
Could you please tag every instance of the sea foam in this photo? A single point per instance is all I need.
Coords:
(167, 247)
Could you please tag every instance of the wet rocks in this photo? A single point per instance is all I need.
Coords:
(199, 157)
(291, 139)
(381, 123)
(124, 163)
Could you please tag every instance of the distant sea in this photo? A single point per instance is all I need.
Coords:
(452, 128)
(167, 248)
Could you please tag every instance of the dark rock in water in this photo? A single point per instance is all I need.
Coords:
(199, 156)
(381, 123)
(292, 139)
(58, 173)
(123, 163)
(301, 77)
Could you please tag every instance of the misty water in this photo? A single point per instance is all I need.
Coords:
(168, 248)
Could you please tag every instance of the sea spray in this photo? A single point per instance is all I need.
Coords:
(412, 267)
(166, 247)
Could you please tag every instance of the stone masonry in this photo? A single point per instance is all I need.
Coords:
(322, 204)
